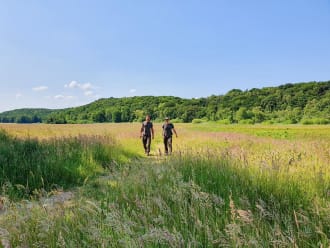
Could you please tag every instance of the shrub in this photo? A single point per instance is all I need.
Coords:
(197, 121)
(224, 121)
(268, 122)
(177, 120)
(319, 121)
(246, 121)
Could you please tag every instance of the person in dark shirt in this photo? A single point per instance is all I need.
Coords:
(147, 133)
(168, 127)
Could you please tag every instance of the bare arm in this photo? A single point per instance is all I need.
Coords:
(141, 131)
(176, 135)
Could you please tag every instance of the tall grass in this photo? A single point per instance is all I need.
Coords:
(216, 190)
(183, 201)
(30, 164)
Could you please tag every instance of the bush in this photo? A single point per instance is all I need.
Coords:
(246, 121)
(319, 121)
(224, 121)
(293, 121)
(306, 122)
(177, 120)
(198, 121)
(268, 122)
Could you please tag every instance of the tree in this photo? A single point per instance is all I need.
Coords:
(242, 114)
(311, 110)
(286, 103)
(24, 119)
(258, 115)
(139, 115)
(99, 116)
(116, 116)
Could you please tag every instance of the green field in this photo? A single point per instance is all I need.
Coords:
(224, 186)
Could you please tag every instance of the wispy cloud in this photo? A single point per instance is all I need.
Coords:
(72, 85)
(76, 85)
(63, 97)
(58, 97)
(18, 95)
(88, 93)
(132, 90)
(87, 88)
(40, 88)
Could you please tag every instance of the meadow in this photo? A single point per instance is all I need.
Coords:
(224, 186)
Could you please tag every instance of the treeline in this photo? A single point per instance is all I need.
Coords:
(25, 115)
(306, 103)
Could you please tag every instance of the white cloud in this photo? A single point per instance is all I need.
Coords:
(40, 88)
(87, 89)
(88, 93)
(63, 97)
(132, 90)
(59, 97)
(76, 85)
(86, 86)
(72, 85)
(18, 95)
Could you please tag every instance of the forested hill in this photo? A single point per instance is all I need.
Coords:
(289, 103)
(26, 115)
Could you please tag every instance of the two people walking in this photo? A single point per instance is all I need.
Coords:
(147, 133)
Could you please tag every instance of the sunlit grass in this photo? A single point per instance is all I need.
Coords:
(224, 186)
(28, 164)
(280, 131)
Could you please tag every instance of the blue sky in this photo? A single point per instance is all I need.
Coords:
(56, 54)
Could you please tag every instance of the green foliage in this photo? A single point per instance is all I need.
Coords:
(197, 121)
(315, 121)
(25, 115)
(116, 116)
(289, 103)
(224, 121)
(242, 114)
(246, 121)
(177, 120)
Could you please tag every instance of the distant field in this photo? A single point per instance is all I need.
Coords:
(126, 132)
(131, 129)
(275, 131)
(225, 185)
